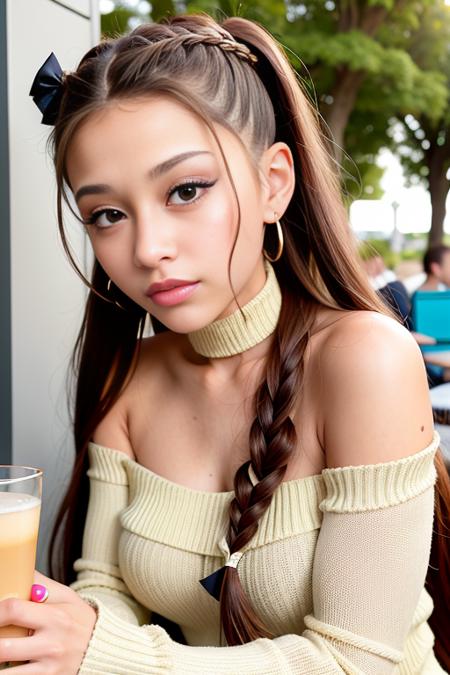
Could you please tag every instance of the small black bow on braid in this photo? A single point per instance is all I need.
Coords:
(47, 89)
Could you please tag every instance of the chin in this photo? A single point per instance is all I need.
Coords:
(183, 322)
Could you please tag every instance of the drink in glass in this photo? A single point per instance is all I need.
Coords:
(20, 507)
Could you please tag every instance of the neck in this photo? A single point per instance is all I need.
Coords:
(431, 282)
(246, 327)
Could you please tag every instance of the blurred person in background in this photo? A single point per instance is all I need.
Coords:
(436, 264)
(395, 295)
(390, 289)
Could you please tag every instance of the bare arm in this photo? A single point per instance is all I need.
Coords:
(375, 396)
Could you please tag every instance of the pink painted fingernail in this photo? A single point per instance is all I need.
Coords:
(39, 593)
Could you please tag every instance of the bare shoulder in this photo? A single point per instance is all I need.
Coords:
(113, 430)
(361, 326)
(368, 339)
(375, 397)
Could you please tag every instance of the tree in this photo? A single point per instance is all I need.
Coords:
(355, 63)
(424, 147)
(122, 17)
(354, 51)
(116, 22)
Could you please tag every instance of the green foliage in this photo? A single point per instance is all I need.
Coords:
(162, 8)
(270, 13)
(405, 61)
(411, 254)
(388, 4)
(116, 22)
(362, 177)
(424, 132)
(395, 83)
(372, 247)
(402, 88)
(352, 49)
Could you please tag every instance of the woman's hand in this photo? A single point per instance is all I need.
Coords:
(60, 631)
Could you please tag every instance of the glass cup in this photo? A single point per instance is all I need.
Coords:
(20, 508)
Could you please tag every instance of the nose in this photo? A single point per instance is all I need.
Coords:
(154, 241)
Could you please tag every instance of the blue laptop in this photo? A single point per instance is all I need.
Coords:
(431, 316)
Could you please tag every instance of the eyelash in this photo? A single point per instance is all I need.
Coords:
(92, 220)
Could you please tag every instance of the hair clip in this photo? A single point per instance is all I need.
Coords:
(47, 89)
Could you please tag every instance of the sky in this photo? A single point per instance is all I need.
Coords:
(414, 210)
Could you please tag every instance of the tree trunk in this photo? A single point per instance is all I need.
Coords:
(437, 160)
(347, 82)
(348, 16)
(439, 187)
(344, 93)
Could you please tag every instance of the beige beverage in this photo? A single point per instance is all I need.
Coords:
(19, 527)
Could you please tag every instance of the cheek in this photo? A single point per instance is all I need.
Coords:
(224, 215)
(214, 232)
(112, 255)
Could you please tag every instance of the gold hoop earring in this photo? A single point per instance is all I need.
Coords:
(280, 245)
(108, 289)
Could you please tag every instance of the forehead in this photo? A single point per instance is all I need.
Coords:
(125, 130)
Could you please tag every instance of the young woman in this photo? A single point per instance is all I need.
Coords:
(260, 472)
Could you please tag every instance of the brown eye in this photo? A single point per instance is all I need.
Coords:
(112, 217)
(187, 193)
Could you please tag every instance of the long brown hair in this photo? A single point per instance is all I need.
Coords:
(199, 63)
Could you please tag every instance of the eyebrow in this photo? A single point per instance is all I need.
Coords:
(154, 173)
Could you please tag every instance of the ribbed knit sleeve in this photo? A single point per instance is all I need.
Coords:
(98, 568)
(369, 571)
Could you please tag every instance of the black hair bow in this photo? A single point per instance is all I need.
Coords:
(47, 89)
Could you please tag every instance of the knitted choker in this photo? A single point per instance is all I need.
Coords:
(233, 334)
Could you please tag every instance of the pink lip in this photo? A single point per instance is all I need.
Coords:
(166, 285)
(171, 292)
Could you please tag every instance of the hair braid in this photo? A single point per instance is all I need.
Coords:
(178, 35)
(272, 440)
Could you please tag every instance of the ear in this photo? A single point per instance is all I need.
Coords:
(277, 166)
(435, 269)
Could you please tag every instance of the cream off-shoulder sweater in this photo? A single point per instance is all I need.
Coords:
(336, 570)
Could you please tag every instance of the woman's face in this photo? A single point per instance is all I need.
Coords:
(148, 176)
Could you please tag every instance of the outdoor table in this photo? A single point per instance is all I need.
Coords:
(440, 402)
(444, 433)
(438, 358)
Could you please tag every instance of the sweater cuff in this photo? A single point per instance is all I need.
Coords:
(117, 647)
(376, 486)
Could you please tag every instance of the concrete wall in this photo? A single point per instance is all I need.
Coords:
(45, 296)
